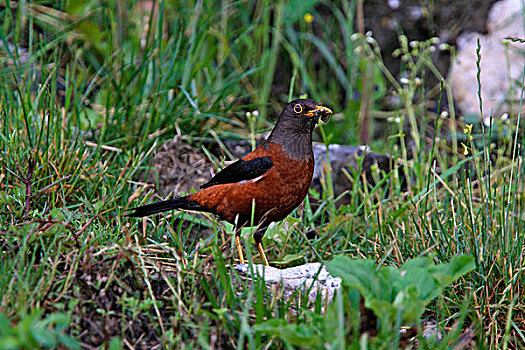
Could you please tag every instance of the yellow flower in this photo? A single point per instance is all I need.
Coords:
(465, 149)
(467, 129)
(308, 18)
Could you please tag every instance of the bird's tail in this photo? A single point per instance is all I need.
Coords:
(159, 207)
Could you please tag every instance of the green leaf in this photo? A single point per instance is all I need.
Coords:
(416, 272)
(5, 326)
(43, 336)
(304, 335)
(408, 289)
(457, 267)
(410, 303)
(59, 321)
(363, 276)
(9, 342)
(288, 258)
(115, 344)
(72, 343)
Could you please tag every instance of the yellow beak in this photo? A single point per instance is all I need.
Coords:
(324, 112)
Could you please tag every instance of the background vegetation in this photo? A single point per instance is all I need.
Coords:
(89, 89)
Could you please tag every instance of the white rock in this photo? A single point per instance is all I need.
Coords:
(311, 277)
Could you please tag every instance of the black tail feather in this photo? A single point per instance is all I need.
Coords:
(159, 207)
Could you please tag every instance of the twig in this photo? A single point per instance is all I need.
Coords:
(83, 228)
(27, 182)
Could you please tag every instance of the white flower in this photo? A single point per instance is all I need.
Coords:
(394, 4)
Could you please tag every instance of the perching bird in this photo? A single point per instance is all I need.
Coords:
(269, 182)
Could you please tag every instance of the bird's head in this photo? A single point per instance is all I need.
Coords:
(293, 130)
(303, 114)
(307, 109)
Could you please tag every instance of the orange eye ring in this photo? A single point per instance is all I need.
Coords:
(298, 109)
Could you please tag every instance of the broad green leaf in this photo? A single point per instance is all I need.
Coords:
(43, 336)
(408, 289)
(70, 342)
(363, 276)
(304, 335)
(457, 267)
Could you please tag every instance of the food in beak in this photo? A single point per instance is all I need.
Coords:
(323, 112)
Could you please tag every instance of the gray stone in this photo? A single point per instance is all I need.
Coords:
(505, 20)
(373, 165)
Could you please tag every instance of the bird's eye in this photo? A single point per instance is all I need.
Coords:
(298, 109)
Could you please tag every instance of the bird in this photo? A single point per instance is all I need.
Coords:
(263, 186)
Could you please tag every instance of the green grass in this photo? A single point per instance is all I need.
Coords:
(89, 90)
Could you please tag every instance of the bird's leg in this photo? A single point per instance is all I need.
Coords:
(238, 244)
(257, 236)
(239, 248)
(261, 250)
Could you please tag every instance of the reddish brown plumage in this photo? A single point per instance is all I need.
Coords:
(276, 193)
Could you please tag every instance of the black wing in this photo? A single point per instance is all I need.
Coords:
(241, 170)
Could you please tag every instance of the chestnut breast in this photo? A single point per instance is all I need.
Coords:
(274, 195)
